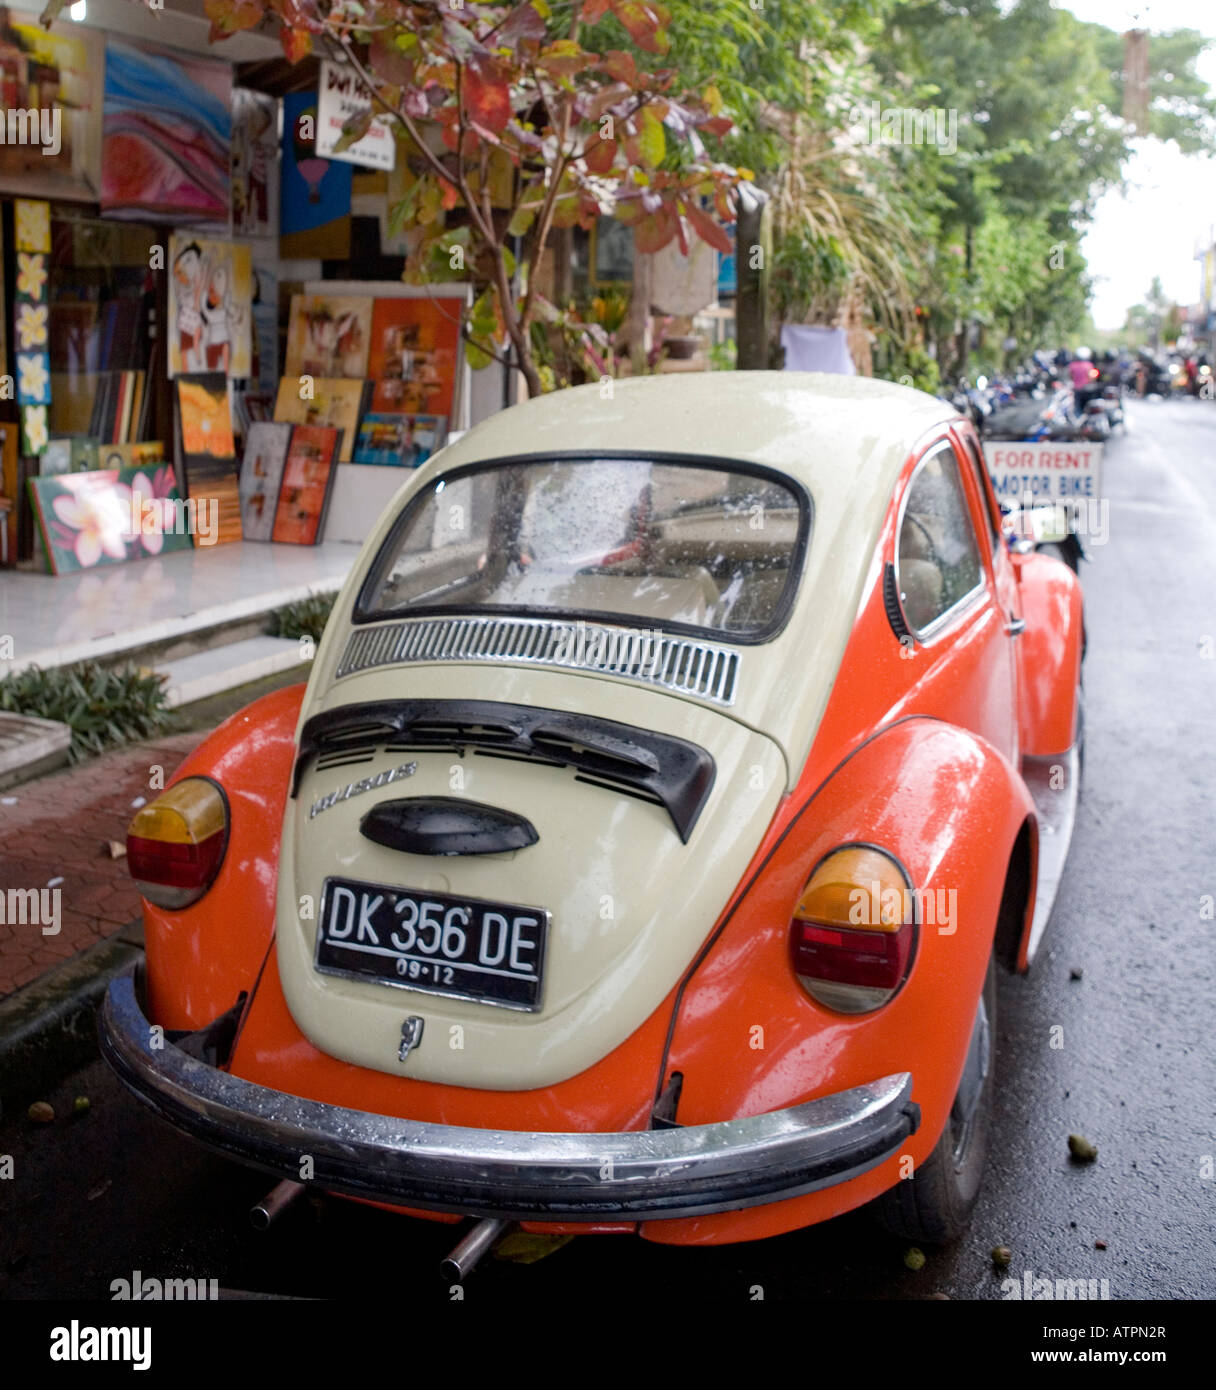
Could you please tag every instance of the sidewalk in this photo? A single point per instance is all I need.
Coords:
(55, 832)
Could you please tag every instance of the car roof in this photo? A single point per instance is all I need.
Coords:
(845, 439)
(828, 431)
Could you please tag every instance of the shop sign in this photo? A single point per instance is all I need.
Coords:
(341, 98)
(1053, 471)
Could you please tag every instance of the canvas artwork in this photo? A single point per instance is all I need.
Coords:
(262, 477)
(210, 306)
(131, 455)
(328, 335)
(307, 480)
(167, 135)
(399, 441)
(9, 485)
(31, 320)
(264, 370)
(205, 419)
(414, 354)
(208, 453)
(333, 402)
(56, 73)
(315, 210)
(108, 516)
(255, 148)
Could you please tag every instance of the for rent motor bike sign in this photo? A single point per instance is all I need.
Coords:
(1047, 472)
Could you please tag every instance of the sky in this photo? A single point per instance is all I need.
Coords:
(1170, 205)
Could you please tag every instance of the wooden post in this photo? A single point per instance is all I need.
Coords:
(753, 261)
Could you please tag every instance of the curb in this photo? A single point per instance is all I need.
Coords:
(48, 1028)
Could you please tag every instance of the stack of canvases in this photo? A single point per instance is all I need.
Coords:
(381, 371)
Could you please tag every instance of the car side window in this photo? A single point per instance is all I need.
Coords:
(938, 560)
(981, 481)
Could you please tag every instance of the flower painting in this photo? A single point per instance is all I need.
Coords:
(109, 516)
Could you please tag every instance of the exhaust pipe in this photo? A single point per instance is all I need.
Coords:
(275, 1203)
(457, 1266)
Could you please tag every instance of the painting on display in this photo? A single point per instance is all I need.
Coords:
(414, 354)
(399, 441)
(56, 74)
(336, 403)
(108, 516)
(210, 306)
(166, 136)
(31, 322)
(308, 479)
(264, 370)
(9, 485)
(316, 193)
(262, 477)
(328, 335)
(255, 174)
(208, 451)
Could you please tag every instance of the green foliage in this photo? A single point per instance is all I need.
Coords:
(724, 356)
(103, 706)
(305, 618)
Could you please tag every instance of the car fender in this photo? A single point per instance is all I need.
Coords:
(200, 958)
(747, 1038)
(1051, 650)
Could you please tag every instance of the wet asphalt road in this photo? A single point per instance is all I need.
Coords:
(95, 1198)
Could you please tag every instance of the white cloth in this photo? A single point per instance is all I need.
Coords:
(812, 349)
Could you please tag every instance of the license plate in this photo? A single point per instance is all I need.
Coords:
(466, 948)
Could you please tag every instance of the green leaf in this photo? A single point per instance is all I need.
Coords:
(652, 141)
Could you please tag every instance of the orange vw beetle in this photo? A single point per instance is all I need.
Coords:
(674, 773)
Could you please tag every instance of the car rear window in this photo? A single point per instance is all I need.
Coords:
(680, 545)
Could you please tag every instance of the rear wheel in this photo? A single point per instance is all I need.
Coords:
(934, 1205)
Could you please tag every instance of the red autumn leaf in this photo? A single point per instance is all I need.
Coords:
(718, 125)
(593, 11)
(231, 16)
(524, 22)
(620, 66)
(487, 97)
(564, 58)
(600, 155)
(297, 43)
(388, 61)
(450, 195)
(707, 229)
(645, 22)
(652, 232)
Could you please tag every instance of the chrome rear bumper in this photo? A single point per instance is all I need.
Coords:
(631, 1176)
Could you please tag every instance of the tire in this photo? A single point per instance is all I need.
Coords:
(934, 1206)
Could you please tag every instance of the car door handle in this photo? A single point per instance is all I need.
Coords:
(1015, 626)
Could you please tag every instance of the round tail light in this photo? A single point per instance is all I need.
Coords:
(853, 933)
(176, 844)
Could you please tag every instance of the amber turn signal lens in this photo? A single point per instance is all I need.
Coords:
(176, 844)
(853, 930)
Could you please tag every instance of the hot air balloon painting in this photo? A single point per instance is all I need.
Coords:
(316, 192)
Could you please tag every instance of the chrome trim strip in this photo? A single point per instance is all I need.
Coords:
(707, 670)
(1057, 815)
(636, 1175)
(944, 619)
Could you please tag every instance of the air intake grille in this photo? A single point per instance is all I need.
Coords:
(675, 663)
